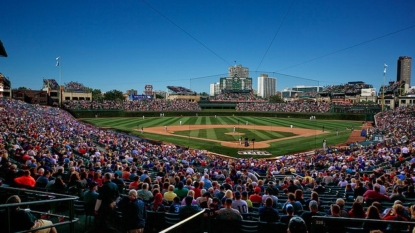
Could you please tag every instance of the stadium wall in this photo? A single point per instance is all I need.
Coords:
(120, 113)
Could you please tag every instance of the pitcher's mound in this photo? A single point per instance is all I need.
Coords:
(236, 133)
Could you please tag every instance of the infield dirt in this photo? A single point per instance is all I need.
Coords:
(235, 144)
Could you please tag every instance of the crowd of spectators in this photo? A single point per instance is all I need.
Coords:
(390, 89)
(293, 106)
(142, 105)
(410, 91)
(51, 83)
(74, 86)
(236, 97)
(93, 105)
(348, 88)
(310, 94)
(181, 90)
(161, 105)
(55, 150)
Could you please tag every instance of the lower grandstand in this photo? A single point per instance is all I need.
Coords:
(375, 177)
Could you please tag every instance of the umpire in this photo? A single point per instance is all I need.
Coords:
(104, 207)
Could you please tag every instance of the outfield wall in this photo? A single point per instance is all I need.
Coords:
(120, 113)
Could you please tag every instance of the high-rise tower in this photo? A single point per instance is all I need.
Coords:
(404, 70)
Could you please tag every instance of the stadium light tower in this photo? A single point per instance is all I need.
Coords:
(3, 52)
(383, 86)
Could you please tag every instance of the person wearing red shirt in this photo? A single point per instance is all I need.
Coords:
(375, 195)
(126, 174)
(256, 197)
(25, 180)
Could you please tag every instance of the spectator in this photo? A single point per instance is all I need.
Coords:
(228, 212)
(375, 195)
(43, 180)
(239, 204)
(313, 211)
(297, 225)
(267, 213)
(90, 197)
(175, 206)
(180, 191)
(134, 213)
(291, 200)
(373, 213)
(357, 211)
(135, 183)
(105, 203)
(290, 213)
(22, 220)
(157, 205)
(170, 195)
(395, 213)
(335, 226)
(256, 198)
(144, 193)
(188, 209)
(26, 180)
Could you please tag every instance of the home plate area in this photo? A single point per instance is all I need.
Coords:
(255, 152)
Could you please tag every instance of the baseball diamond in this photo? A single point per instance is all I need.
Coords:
(215, 134)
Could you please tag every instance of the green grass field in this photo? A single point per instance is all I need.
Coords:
(195, 138)
(221, 134)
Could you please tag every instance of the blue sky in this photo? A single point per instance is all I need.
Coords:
(127, 44)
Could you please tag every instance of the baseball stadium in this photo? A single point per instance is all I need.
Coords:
(233, 146)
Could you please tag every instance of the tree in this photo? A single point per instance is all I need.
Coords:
(276, 99)
(114, 95)
(21, 88)
(97, 95)
(203, 94)
(158, 96)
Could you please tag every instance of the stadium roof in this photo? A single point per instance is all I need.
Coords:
(2, 50)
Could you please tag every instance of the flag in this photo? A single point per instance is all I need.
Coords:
(57, 60)
(384, 68)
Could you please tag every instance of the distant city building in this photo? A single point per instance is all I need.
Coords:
(266, 86)
(238, 80)
(303, 88)
(404, 70)
(181, 93)
(32, 96)
(5, 87)
(238, 70)
(161, 93)
(132, 92)
(288, 94)
(214, 89)
(148, 90)
(76, 91)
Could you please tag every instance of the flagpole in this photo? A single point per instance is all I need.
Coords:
(383, 87)
(59, 63)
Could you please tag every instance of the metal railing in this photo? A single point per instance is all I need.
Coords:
(319, 223)
(179, 224)
(58, 198)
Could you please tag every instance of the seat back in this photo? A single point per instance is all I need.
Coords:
(226, 226)
(248, 226)
(153, 221)
(272, 227)
(170, 219)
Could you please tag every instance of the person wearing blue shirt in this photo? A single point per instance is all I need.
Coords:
(267, 213)
(144, 176)
(90, 197)
(207, 182)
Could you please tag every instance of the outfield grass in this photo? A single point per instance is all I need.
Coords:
(290, 146)
(225, 134)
